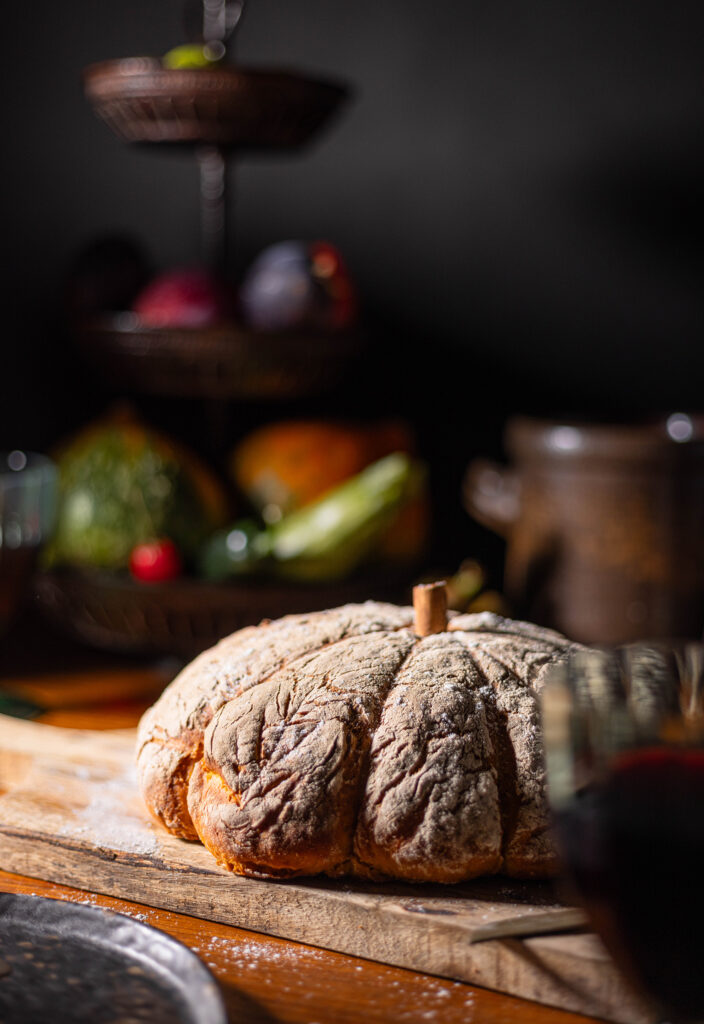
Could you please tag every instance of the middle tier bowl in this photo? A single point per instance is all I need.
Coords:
(217, 362)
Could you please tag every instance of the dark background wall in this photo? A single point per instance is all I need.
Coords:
(517, 188)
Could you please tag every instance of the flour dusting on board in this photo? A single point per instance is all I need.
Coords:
(302, 976)
(110, 819)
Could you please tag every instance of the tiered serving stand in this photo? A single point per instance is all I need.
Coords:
(220, 113)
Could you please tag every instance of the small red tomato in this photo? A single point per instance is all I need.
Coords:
(156, 561)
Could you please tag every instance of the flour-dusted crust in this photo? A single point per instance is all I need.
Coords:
(341, 743)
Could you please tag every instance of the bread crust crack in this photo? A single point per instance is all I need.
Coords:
(341, 743)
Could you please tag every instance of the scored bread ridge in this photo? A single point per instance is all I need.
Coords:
(170, 735)
(341, 743)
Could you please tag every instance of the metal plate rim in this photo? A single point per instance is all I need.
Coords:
(176, 965)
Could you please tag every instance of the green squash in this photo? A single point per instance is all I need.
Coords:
(121, 484)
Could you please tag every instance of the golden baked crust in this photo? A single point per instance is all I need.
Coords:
(341, 743)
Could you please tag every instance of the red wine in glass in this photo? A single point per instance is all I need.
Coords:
(633, 844)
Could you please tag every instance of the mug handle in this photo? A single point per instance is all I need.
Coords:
(492, 495)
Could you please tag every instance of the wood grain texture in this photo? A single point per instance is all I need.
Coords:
(266, 980)
(72, 815)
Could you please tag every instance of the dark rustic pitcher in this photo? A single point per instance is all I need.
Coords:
(604, 525)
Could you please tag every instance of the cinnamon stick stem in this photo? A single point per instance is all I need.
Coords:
(430, 608)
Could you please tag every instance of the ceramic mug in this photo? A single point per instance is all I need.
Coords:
(604, 525)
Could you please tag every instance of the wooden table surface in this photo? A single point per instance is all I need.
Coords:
(263, 979)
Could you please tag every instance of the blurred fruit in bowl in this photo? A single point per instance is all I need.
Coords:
(464, 585)
(122, 484)
(285, 466)
(234, 551)
(156, 561)
(189, 298)
(331, 537)
(293, 285)
(327, 539)
(490, 601)
(191, 56)
(466, 593)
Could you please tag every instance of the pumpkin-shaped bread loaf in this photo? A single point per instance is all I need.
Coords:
(343, 742)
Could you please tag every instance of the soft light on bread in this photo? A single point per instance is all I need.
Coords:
(342, 743)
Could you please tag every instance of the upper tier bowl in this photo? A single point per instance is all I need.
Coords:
(231, 107)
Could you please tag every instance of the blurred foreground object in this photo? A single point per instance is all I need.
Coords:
(27, 513)
(68, 939)
(294, 285)
(603, 524)
(624, 741)
(122, 484)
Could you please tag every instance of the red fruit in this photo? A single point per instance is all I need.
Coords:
(295, 285)
(328, 268)
(183, 298)
(156, 561)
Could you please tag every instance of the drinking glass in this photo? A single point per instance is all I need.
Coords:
(624, 743)
(27, 510)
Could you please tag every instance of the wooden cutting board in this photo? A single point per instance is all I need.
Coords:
(70, 813)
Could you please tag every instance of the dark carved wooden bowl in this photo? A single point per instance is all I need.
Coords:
(230, 361)
(231, 107)
(110, 610)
